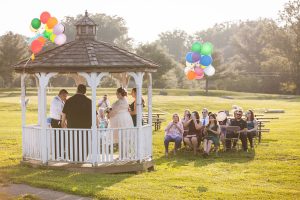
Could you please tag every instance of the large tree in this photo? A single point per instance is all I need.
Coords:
(12, 49)
(175, 42)
(289, 39)
(111, 29)
(159, 55)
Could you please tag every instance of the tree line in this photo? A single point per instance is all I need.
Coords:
(252, 56)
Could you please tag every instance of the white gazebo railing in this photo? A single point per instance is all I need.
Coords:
(92, 60)
(75, 145)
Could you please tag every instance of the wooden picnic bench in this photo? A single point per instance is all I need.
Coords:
(261, 124)
(156, 120)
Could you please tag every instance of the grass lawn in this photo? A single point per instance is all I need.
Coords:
(272, 171)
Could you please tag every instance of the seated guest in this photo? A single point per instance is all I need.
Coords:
(173, 133)
(223, 124)
(185, 119)
(212, 133)
(103, 103)
(204, 119)
(238, 121)
(193, 136)
(251, 126)
(103, 121)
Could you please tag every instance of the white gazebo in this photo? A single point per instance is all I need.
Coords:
(94, 148)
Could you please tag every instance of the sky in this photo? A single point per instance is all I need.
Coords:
(145, 19)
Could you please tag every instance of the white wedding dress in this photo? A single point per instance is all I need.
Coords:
(120, 117)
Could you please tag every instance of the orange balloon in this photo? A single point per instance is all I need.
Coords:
(52, 21)
(191, 75)
(42, 40)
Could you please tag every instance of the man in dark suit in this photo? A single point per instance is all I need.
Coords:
(77, 112)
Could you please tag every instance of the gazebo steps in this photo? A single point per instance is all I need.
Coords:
(106, 168)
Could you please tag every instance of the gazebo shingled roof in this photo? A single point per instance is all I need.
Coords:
(86, 21)
(88, 55)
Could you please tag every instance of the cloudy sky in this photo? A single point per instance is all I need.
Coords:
(145, 19)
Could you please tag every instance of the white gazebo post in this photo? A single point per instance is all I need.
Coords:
(93, 81)
(43, 82)
(23, 107)
(39, 98)
(150, 107)
(138, 77)
(150, 99)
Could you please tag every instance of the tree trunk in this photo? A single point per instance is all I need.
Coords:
(206, 86)
(298, 86)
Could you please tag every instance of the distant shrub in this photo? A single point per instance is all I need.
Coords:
(194, 93)
(163, 92)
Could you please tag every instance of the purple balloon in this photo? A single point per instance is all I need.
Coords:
(58, 29)
(196, 57)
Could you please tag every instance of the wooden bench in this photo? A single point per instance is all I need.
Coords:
(156, 120)
(261, 126)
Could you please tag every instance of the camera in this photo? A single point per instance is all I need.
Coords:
(107, 110)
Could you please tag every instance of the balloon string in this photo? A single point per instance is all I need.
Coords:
(27, 61)
(26, 64)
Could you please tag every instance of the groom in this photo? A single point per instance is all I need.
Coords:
(77, 112)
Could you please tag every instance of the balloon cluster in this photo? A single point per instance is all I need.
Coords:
(199, 60)
(46, 28)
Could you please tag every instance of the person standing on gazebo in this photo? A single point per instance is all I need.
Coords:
(119, 116)
(132, 106)
(77, 112)
(56, 108)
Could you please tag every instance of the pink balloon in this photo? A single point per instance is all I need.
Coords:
(60, 39)
(199, 71)
(58, 29)
(199, 77)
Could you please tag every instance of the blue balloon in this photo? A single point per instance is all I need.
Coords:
(206, 60)
(189, 57)
(30, 40)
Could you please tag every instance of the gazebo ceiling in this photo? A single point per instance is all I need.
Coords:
(86, 55)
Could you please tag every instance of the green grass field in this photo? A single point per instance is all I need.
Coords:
(272, 171)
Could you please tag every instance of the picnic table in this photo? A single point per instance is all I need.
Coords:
(266, 118)
(156, 119)
(261, 124)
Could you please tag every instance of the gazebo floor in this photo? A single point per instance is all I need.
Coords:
(106, 168)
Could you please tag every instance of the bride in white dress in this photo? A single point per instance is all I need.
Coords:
(119, 116)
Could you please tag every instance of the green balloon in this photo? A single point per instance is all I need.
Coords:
(36, 23)
(47, 34)
(207, 49)
(196, 47)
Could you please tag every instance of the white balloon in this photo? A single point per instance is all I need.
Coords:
(60, 39)
(221, 116)
(188, 64)
(186, 70)
(210, 70)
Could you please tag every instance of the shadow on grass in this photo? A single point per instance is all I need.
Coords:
(202, 189)
(268, 141)
(184, 158)
(84, 184)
